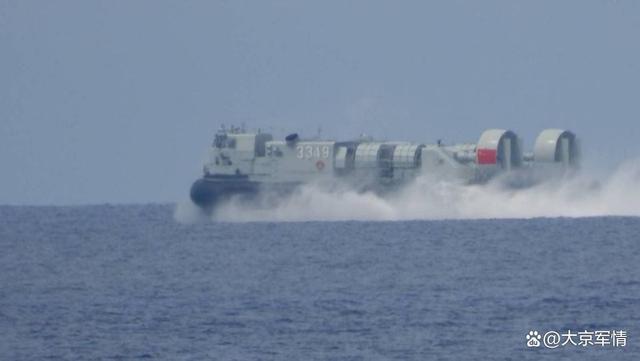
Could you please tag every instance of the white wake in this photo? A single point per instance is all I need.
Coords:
(579, 196)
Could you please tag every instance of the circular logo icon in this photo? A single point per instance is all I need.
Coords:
(320, 165)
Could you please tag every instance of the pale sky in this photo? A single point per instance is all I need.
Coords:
(117, 101)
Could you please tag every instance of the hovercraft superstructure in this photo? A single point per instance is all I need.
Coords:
(246, 163)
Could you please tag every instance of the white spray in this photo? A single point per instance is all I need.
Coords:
(579, 196)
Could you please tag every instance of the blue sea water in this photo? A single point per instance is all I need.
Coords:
(129, 282)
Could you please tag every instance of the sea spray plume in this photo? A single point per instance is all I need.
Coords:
(310, 202)
(427, 197)
(186, 212)
(577, 196)
(621, 194)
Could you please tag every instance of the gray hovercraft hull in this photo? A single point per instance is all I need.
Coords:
(208, 192)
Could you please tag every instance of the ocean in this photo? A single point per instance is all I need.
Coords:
(127, 282)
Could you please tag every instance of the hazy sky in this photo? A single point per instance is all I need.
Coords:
(117, 101)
